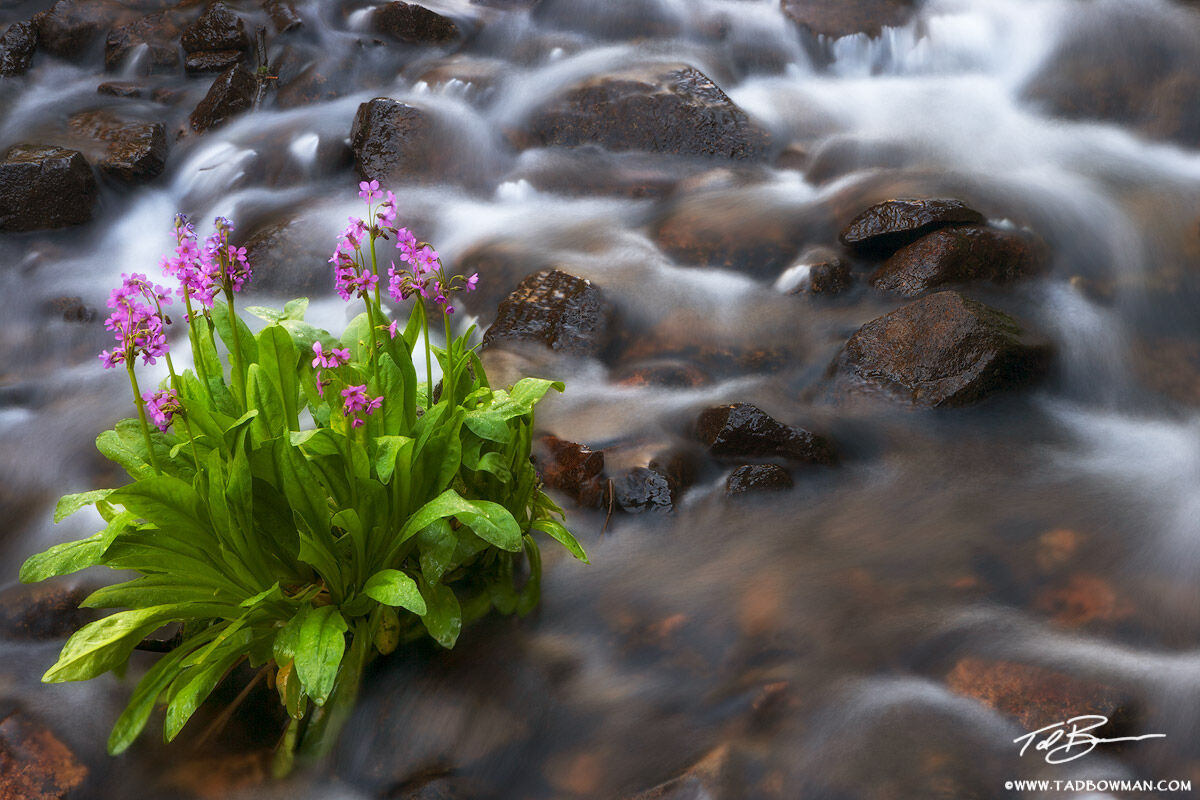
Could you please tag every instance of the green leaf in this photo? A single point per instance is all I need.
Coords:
(106, 643)
(357, 338)
(437, 544)
(199, 682)
(391, 451)
(488, 425)
(246, 342)
(493, 523)
(393, 588)
(443, 619)
(69, 504)
(166, 502)
(155, 590)
(278, 357)
(319, 650)
(295, 309)
(68, 557)
(562, 536)
(398, 386)
(264, 313)
(273, 418)
(529, 391)
(114, 448)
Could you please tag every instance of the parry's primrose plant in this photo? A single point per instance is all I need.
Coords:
(309, 504)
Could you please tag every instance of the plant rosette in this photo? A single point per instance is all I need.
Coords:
(302, 502)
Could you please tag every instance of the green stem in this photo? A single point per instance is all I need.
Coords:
(197, 356)
(235, 352)
(428, 355)
(141, 409)
(187, 424)
(448, 375)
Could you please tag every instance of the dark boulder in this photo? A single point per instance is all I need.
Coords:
(69, 27)
(414, 24)
(218, 28)
(612, 20)
(34, 763)
(43, 611)
(944, 350)
(212, 61)
(645, 489)
(663, 108)
(157, 32)
(967, 253)
(758, 478)
(742, 430)
(283, 15)
(888, 226)
(44, 186)
(574, 469)
(121, 89)
(230, 94)
(137, 153)
(827, 274)
(16, 48)
(558, 310)
(836, 18)
(394, 141)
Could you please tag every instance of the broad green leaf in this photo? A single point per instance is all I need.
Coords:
(393, 588)
(437, 544)
(493, 523)
(68, 557)
(529, 391)
(295, 309)
(488, 425)
(266, 595)
(357, 338)
(246, 343)
(166, 502)
(69, 504)
(264, 313)
(398, 387)
(443, 619)
(106, 643)
(273, 418)
(391, 451)
(198, 683)
(114, 448)
(319, 651)
(562, 536)
(155, 590)
(278, 357)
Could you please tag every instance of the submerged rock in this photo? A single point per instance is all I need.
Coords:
(414, 24)
(742, 430)
(663, 108)
(69, 27)
(283, 15)
(137, 154)
(45, 186)
(230, 94)
(758, 478)
(16, 48)
(574, 469)
(43, 611)
(836, 18)
(34, 763)
(558, 310)
(645, 489)
(157, 32)
(888, 226)
(944, 350)
(966, 253)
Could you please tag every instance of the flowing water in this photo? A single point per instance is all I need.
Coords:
(801, 640)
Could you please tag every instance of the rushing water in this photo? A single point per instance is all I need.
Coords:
(846, 600)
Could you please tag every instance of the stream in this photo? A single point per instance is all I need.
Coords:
(856, 636)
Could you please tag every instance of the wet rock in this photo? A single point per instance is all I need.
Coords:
(663, 108)
(888, 226)
(156, 32)
(137, 154)
(286, 254)
(944, 350)
(309, 86)
(71, 26)
(212, 61)
(711, 777)
(16, 48)
(644, 489)
(218, 28)
(828, 277)
(218, 777)
(44, 186)
(612, 20)
(394, 141)
(558, 310)
(591, 170)
(758, 478)
(670, 373)
(1037, 696)
(742, 430)
(959, 254)
(48, 610)
(71, 308)
(34, 763)
(414, 24)
(283, 15)
(574, 469)
(121, 89)
(836, 18)
(230, 94)
(1083, 600)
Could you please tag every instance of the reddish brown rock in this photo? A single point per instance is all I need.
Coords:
(218, 28)
(16, 48)
(944, 350)
(574, 469)
(742, 430)
(230, 94)
(157, 32)
(414, 24)
(758, 478)
(42, 611)
(69, 27)
(44, 186)
(888, 226)
(828, 277)
(211, 61)
(558, 310)
(663, 108)
(960, 254)
(1036, 696)
(34, 763)
(836, 18)
(1084, 599)
(283, 15)
(121, 89)
(137, 154)
(671, 373)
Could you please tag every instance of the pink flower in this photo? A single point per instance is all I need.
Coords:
(331, 360)
(368, 190)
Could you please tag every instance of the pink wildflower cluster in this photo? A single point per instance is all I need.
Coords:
(202, 272)
(162, 407)
(137, 321)
(357, 401)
